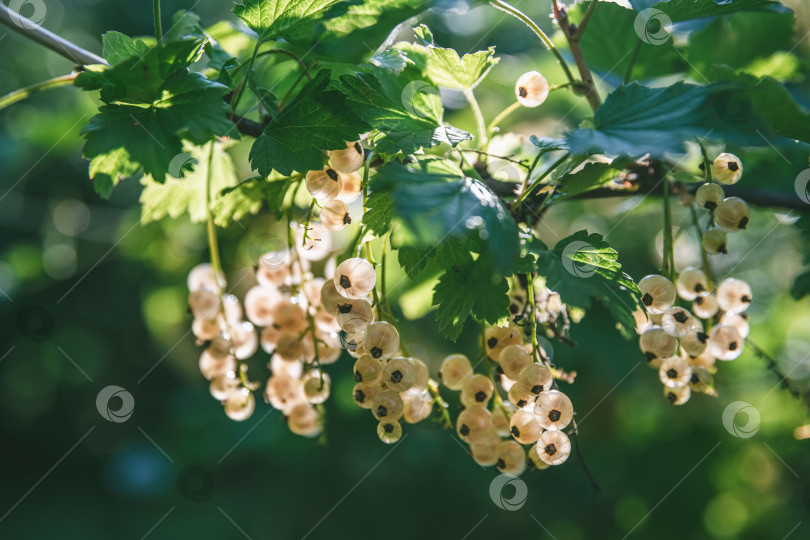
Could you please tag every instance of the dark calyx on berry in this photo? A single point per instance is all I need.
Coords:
(359, 396)
(710, 205)
(376, 352)
(344, 308)
(743, 223)
(382, 411)
(345, 282)
(537, 388)
(522, 92)
(694, 379)
(732, 346)
(672, 374)
(522, 403)
(671, 397)
(650, 356)
(500, 464)
(647, 299)
(332, 173)
(388, 428)
(702, 337)
(745, 298)
(513, 309)
(733, 166)
(722, 249)
(358, 377)
(554, 415)
(492, 342)
(347, 220)
(358, 148)
(680, 317)
(464, 430)
(699, 287)
(480, 396)
(396, 377)
(550, 449)
(515, 431)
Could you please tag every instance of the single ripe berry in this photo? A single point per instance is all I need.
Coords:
(382, 340)
(335, 215)
(215, 361)
(202, 277)
(691, 283)
(289, 347)
(500, 337)
(355, 278)
(351, 188)
(272, 271)
(535, 378)
(418, 406)
(657, 293)
(240, 405)
(223, 385)
(259, 304)
(474, 424)
(513, 359)
(553, 447)
(694, 342)
(399, 374)
(675, 372)
(732, 214)
(537, 461)
(657, 344)
(705, 307)
(389, 432)
(738, 321)
(727, 169)
(486, 453)
(387, 406)
(353, 316)
(349, 159)
(316, 386)
(455, 371)
(330, 297)
(704, 360)
(422, 375)
(367, 370)
(365, 394)
(702, 381)
(324, 185)
(677, 322)
(524, 427)
(715, 241)
(205, 329)
(289, 316)
(678, 395)
(725, 342)
(519, 397)
(554, 410)
(531, 89)
(204, 304)
(734, 295)
(511, 458)
(283, 392)
(477, 390)
(304, 420)
(709, 196)
(245, 340)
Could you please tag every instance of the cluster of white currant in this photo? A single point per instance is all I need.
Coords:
(727, 214)
(533, 415)
(336, 185)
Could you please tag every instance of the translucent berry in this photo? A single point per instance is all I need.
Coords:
(259, 304)
(355, 278)
(316, 386)
(725, 342)
(738, 321)
(553, 447)
(477, 390)
(677, 322)
(367, 370)
(399, 374)
(223, 385)
(304, 420)
(239, 405)
(289, 347)
(694, 342)
(365, 394)
(705, 307)
(202, 277)
(351, 188)
(500, 337)
(702, 381)
(511, 458)
(354, 316)
(474, 424)
(245, 340)
(204, 304)
(657, 293)
(348, 160)
(335, 215)
(330, 297)
(715, 241)
(691, 283)
(283, 392)
(417, 406)
(537, 461)
(524, 427)
(513, 359)
(554, 410)
(675, 372)
(520, 398)
(382, 340)
(387, 406)
(389, 432)
(734, 295)
(709, 196)
(678, 395)
(531, 89)
(455, 370)
(535, 378)
(324, 185)
(727, 169)
(732, 214)
(657, 344)
(422, 375)
(205, 329)
(486, 453)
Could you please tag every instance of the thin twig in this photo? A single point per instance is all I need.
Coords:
(28, 91)
(591, 93)
(158, 23)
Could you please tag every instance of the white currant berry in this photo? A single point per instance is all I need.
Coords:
(330, 297)
(259, 305)
(389, 432)
(387, 406)
(351, 188)
(232, 308)
(535, 459)
(657, 293)
(715, 241)
(511, 458)
(422, 375)
(709, 196)
(531, 89)
(727, 169)
(554, 410)
(486, 453)
(677, 322)
(245, 340)
(704, 360)
(239, 405)
(223, 385)
(399, 374)
(347, 160)
(725, 342)
(554, 447)
(335, 215)
(732, 214)
(705, 307)
(657, 344)
(367, 370)
(513, 359)
(205, 329)
(382, 340)
(326, 322)
(290, 347)
(500, 422)
(691, 283)
(365, 394)
(642, 320)
(279, 366)
(204, 304)
(477, 390)
(734, 295)
(354, 316)
(418, 406)
(520, 398)
(271, 271)
(289, 316)
(675, 371)
(524, 427)
(269, 338)
(324, 185)
(535, 378)
(474, 424)
(355, 278)
(738, 321)
(316, 386)
(500, 337)
(202, 277)
(353, 343)
(305, 421)
(678, 395)
(455, 371)
(694, 342)
(284, 392)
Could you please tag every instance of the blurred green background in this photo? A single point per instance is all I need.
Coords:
(90, 299)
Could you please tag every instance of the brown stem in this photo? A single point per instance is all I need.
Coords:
(571, 35)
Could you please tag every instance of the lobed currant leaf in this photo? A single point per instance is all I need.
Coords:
(273, 19)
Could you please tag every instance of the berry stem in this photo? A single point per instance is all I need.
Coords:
(669, 250)
(585, 19)
(306, 224)
(707, 163)
(24, 93)
(213, 247)
(158, 23)
(513, 11)
(479, 120)
(707, 269)
(433, 388)
(502, 116)
(591, 93)
(250, 63)
(629, 73)
(530, 188)
(578, 447)
(532, 309)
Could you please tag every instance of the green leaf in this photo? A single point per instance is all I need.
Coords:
(435, 201)
(801, 286)
(412, 259)
(117, 47)
(589, 177)
(246, 198)
(444, 67)
(272, 19)
(685, 10)
(317, 119)
(275, 192)
(473, 288)
(379, 212)
(583, 266)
